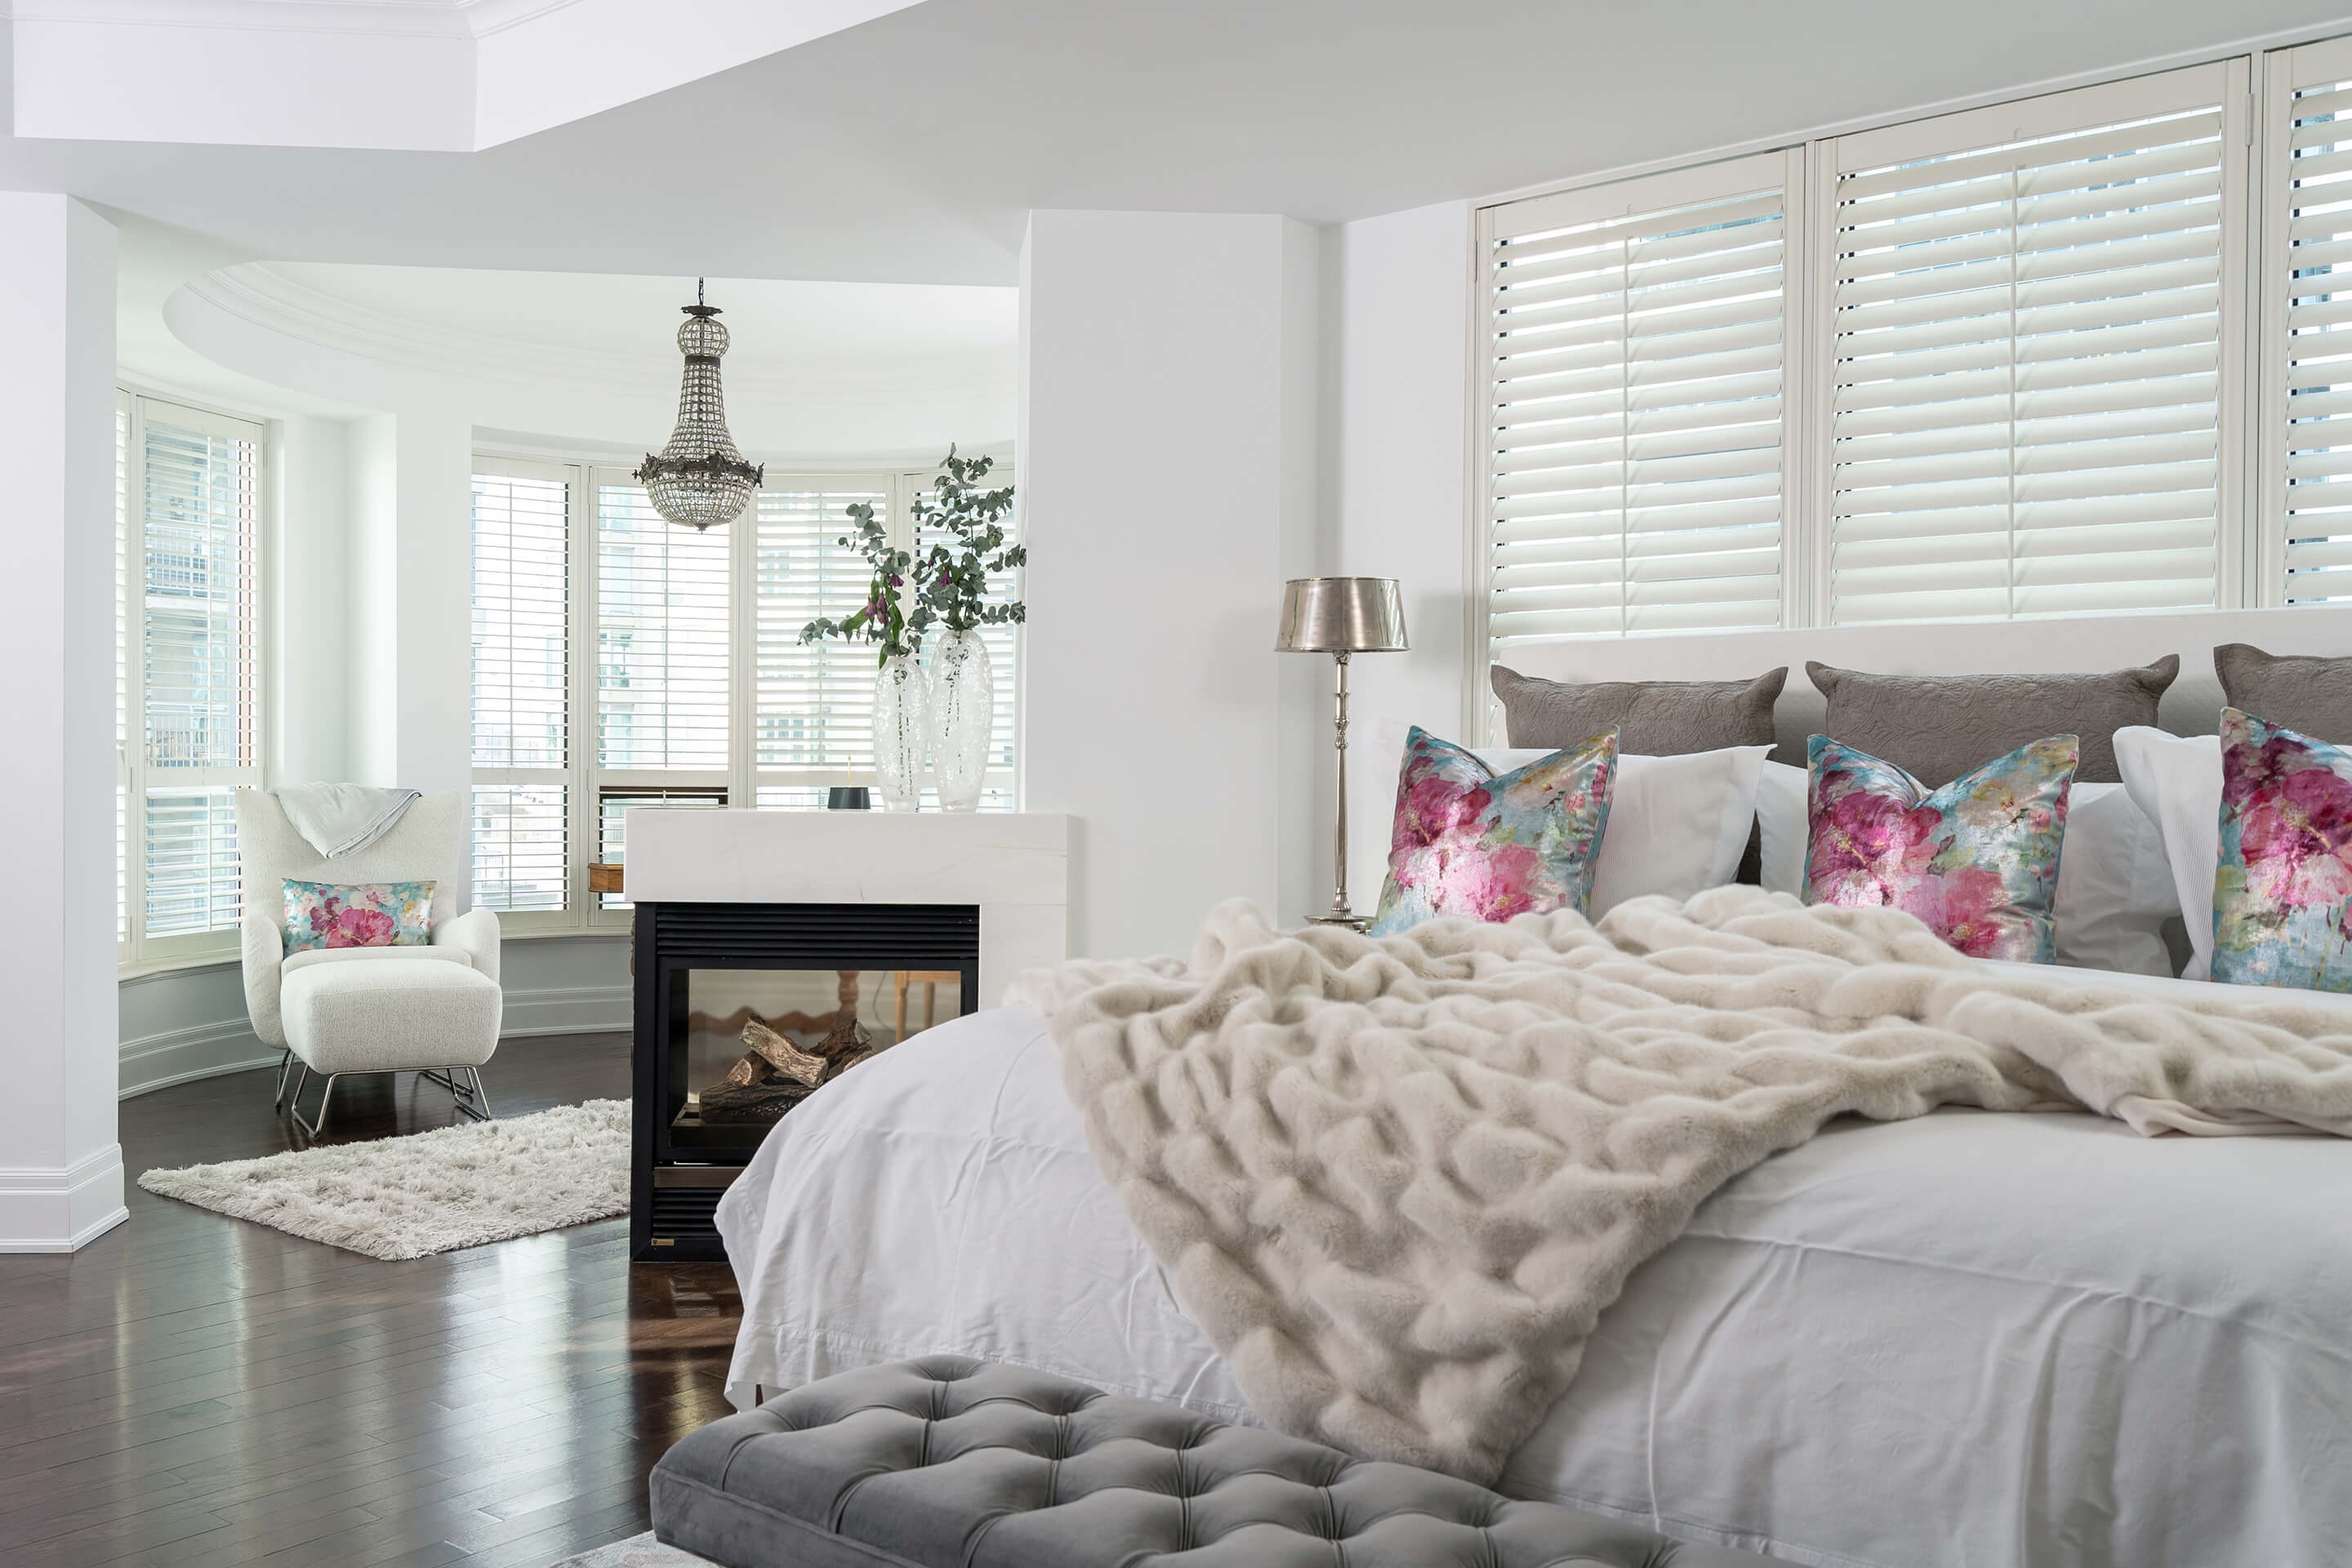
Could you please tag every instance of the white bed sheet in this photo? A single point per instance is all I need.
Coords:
(1972, 1339)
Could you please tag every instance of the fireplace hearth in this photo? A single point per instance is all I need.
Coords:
(743, 1010)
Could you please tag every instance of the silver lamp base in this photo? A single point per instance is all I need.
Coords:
(1353, 922)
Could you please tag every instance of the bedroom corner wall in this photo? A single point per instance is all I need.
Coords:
(1396, 389)
(1169, 478)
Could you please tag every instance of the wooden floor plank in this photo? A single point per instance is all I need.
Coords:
(191, 1391)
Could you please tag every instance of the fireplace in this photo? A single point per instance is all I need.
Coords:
(744, 1009)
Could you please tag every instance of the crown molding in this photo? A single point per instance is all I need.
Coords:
(262, 297)
(466, 19)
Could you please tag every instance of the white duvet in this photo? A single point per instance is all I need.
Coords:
(1967, 1338)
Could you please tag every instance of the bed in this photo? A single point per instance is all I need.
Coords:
(1971, 1339)
(2011, 1340)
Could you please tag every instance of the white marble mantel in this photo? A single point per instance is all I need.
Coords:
(1015, 866)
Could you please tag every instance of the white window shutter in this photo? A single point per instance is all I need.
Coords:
(2031, 325)
(1633, 348)
(521, 673)
(198, 499)
(2308, 281)
(662, 637)
(813, 705)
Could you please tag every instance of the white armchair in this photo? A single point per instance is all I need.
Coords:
(433, 1010)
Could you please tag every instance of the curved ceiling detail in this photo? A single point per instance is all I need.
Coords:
(818, 370)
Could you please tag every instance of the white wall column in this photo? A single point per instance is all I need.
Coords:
(410, 560)
(60, 1167)
(1397, 382)
(1167, 484)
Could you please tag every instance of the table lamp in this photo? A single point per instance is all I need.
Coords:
(1341, 616)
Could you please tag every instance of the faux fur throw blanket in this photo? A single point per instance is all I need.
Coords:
(1396, 1181)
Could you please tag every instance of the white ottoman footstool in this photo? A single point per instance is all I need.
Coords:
(390, 1010)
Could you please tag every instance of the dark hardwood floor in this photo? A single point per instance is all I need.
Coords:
(199, 1391)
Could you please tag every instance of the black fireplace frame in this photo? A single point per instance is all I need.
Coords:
(673, 1192)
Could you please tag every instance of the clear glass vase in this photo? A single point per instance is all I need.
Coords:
(901, 732)
(963, 712)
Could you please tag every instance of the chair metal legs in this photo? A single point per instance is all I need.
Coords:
(296, 1109)
(470, 1098)
(285, 1064)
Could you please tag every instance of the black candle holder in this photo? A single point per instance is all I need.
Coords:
(848, 797)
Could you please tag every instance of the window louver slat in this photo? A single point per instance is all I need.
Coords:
(197, 570)
(2025, 373)
(1634, 471)
(813, 705)
(2315, 496)
(662, 696)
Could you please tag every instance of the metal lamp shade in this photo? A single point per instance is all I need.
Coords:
(1341, 615)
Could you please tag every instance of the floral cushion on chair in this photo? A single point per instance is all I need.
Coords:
(1977, 859)
(365, 914)
(2283, 892)
(1487, 846)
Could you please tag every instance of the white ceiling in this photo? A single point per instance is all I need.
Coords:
(908, 148)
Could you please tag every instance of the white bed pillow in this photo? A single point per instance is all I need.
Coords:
(2177, 780)
(1678, 825)
(2114, 886)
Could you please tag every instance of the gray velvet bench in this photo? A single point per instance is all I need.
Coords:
(946, 1462)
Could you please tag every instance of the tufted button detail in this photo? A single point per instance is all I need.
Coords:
(892, 1469)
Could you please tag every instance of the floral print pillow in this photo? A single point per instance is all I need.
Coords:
(1485, 846)
(2282, 893)
(368, 914)
(1977, 859)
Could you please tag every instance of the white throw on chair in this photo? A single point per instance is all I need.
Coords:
(427, 1009)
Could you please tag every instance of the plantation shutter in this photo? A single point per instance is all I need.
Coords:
(1634, 355)
(197, 566)
(521, 669)
(2031, 318)
(813, 706)
(661, 638)
(2308, 275)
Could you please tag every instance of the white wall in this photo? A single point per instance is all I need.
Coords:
(1396, 382)
(1168, 488)
(308, 594)
(60, 1168)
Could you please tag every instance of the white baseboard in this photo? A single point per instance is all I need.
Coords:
(568, 1010)
(62, 1210)
(209, 1050)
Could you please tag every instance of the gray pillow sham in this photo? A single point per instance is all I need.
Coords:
(1653, 718)
(2306, 694)
(1937, 727)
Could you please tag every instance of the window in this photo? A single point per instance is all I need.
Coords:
(2027, 338)
(620, 661)
(187, 685)
(522, 682)
(1634, 462)
(2307, 420)
(1986, 366)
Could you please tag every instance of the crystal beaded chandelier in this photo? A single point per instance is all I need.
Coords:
(700, 478)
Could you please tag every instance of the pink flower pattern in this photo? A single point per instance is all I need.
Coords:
(1976, 861)
(2284, 886)
(1468, 843)
(368, 914)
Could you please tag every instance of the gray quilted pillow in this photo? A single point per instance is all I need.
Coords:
(1937, 727)
(1651, 718)
(2310, 695)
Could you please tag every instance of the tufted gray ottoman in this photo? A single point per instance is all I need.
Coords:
(953, 1463)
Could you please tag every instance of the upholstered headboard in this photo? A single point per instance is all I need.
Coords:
(2192, 706)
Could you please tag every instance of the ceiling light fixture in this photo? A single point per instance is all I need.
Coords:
(700, 478)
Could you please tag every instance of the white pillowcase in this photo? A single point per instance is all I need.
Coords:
(1678, 825)
(2114, 888)
(2177, 780)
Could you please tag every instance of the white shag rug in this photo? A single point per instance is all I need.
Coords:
(430, 1191)
(636, 1552)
